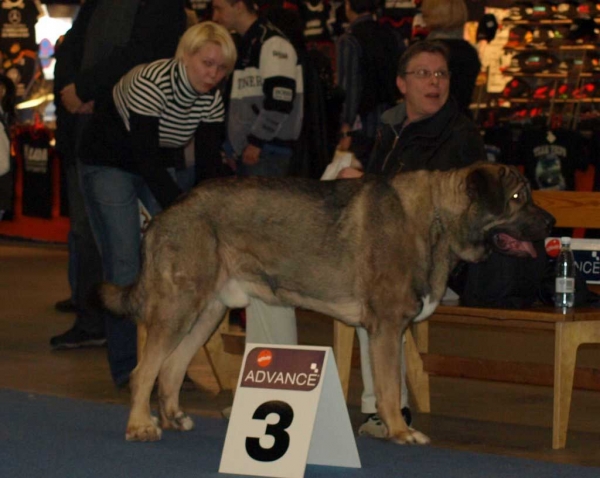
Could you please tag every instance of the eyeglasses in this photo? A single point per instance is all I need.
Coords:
(425, 74)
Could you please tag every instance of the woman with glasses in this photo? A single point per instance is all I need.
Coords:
(425, 131)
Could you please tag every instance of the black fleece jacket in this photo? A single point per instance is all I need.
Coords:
(443, 141)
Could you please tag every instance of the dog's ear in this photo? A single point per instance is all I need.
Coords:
(484, 185)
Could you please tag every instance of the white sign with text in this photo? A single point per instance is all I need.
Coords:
(288, 411)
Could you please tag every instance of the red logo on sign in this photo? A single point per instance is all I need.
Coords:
(553, 247)
(264, 358)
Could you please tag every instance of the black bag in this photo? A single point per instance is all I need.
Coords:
(504, 281)
(512, 283)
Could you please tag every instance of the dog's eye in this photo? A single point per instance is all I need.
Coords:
(519, 196)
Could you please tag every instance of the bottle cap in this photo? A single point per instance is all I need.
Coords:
(566, 240)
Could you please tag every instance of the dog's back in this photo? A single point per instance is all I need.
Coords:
(255, 230)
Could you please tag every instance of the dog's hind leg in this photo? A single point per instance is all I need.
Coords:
(160, 342)
(173, 370)
(385, 360)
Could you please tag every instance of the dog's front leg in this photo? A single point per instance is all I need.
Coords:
(386, 354)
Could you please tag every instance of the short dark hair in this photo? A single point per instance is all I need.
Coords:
(424, 46)
(363, 6)
(251, 5)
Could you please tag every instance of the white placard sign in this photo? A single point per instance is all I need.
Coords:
(288, 411)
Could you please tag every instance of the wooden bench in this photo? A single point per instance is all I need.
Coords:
(578, 326)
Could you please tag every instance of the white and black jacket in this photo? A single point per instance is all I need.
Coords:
(266, 102)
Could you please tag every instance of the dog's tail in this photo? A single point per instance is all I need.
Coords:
(118, 299)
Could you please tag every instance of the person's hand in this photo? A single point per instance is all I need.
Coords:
(350, 173)
(251, 155)
(86, 108)
(69, 98)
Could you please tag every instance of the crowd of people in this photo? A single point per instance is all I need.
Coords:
(142, 117)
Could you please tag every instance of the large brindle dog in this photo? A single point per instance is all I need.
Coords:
(373, 252)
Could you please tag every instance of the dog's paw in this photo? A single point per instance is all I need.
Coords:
(181, 421)
(411, 436)
(146, 432)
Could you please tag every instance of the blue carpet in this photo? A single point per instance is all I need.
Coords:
(51, 437)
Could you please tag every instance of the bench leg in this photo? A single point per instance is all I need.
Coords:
(421, 333)
(569, 336)
(418, 379)
(225, 366)
(343, 343)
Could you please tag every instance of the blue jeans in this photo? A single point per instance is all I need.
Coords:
(111, 198)
(85, 266)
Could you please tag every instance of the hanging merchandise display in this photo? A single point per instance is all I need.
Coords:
(33, 148)
(18, 43)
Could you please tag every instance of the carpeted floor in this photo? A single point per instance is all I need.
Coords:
(50, 437)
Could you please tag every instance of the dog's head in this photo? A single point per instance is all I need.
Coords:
(501, 212)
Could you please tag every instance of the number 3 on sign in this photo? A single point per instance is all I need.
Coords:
(273, 415)
(281, 438)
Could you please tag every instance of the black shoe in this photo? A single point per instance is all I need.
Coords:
(75, 338)
(67, 306)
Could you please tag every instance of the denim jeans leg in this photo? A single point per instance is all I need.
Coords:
(85, 265)
(112, 200)
(72, 267)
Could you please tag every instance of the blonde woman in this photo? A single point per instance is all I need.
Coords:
(445, 20)
(135, 145)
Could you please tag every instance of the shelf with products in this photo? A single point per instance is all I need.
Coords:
(557, 48)
(533, 22)
(555, 100)
(549, 65)
(552, 79)
(558, 76)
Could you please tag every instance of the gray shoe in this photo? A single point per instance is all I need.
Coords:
(374, 427)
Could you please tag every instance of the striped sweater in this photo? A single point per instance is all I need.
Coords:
(153, 113)
(161, 89)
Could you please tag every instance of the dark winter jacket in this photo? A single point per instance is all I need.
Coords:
(96, 82)
(443, 141)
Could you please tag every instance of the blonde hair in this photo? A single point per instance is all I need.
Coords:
(444, 14)
(196, 36)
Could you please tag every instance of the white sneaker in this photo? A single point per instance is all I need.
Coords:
(374, 427)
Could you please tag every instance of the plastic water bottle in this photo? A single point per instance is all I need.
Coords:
(564, 295)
